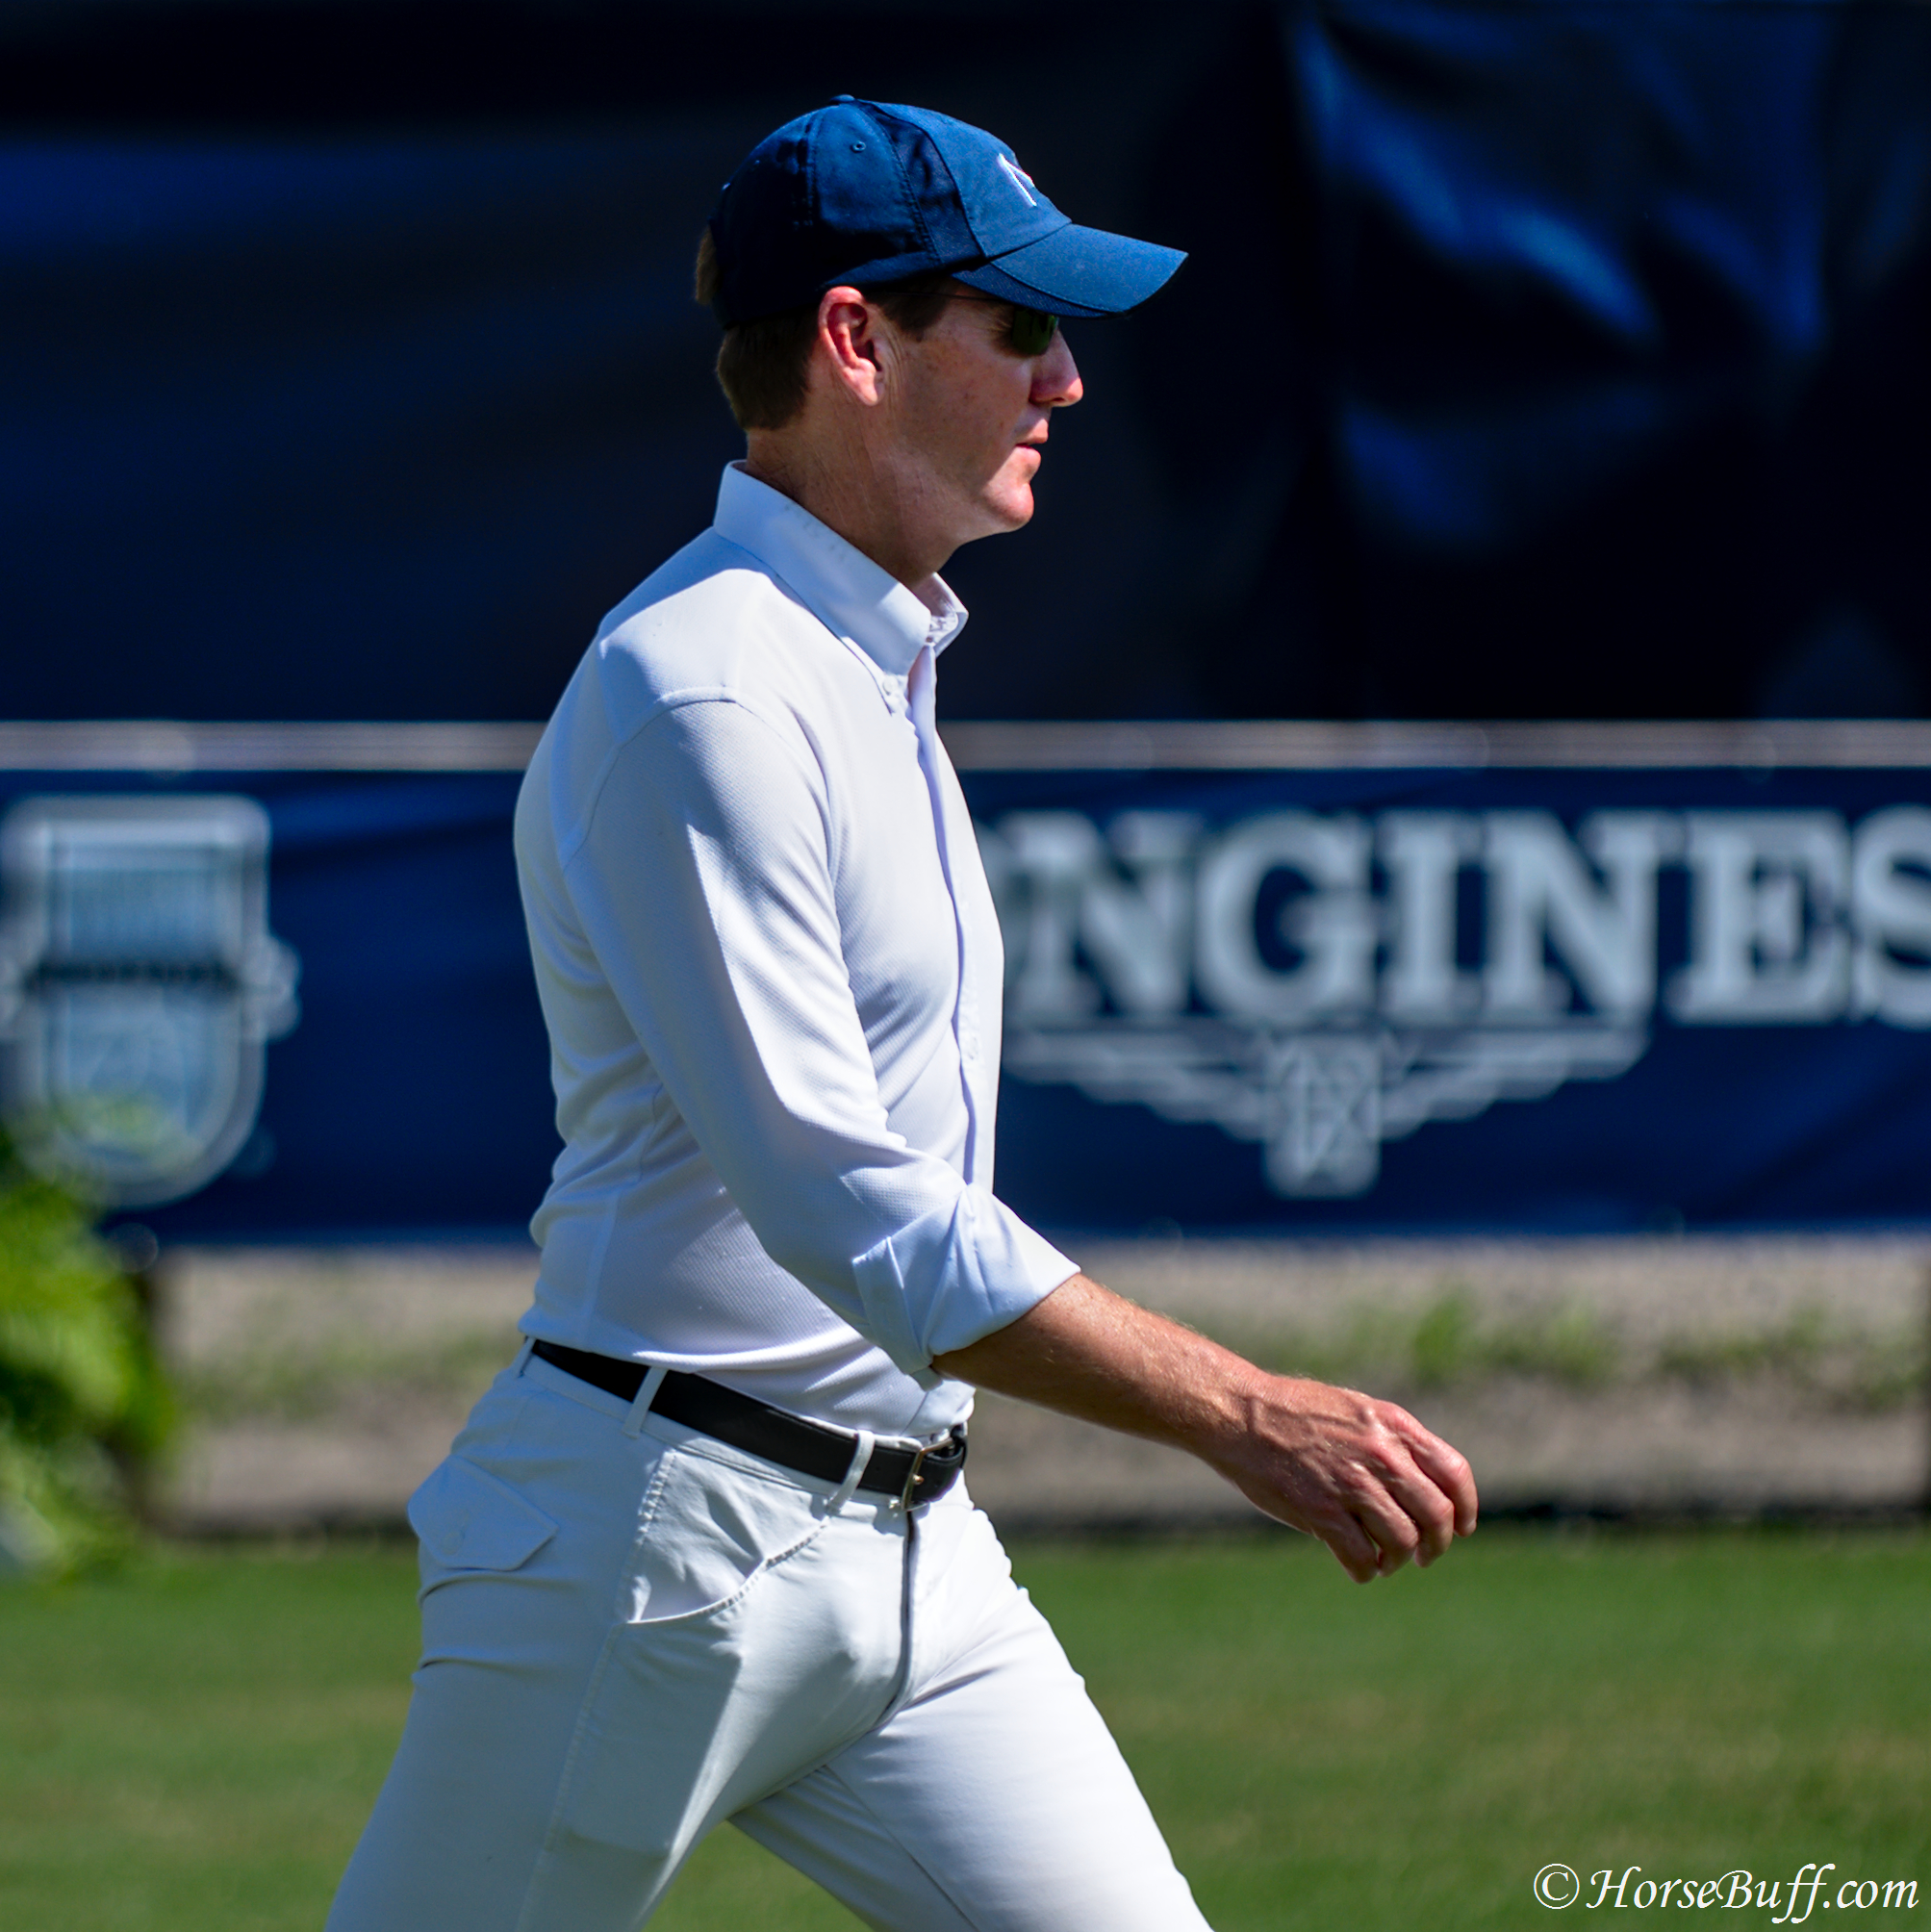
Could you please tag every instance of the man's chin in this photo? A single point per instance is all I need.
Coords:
(1009, 508)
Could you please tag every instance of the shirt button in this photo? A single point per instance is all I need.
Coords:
(969, 1044)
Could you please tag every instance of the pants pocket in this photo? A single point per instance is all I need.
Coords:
(466, 1519)
(708, 1532)
(756, 1633)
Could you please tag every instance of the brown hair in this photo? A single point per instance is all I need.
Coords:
(762, 362)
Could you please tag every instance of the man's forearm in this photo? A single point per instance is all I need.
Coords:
(1363, 1476)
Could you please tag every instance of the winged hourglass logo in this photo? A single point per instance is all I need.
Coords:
(139, 987)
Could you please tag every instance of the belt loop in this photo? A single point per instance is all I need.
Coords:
(647, 1394)
(861, 1454)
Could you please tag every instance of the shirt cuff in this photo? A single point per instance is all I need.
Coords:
(951, 1276)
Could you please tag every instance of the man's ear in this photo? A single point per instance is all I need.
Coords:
(850, 336)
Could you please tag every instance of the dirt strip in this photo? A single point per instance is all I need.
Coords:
(1664, 1375)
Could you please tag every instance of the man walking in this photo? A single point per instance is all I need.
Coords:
(701, 1553)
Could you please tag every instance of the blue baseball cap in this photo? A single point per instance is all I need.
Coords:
(862, 192)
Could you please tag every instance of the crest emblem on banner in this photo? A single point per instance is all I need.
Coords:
(139, 985)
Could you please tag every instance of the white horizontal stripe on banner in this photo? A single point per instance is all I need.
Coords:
(164, 746)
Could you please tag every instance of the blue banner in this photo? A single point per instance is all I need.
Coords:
(1385, 997)
(407, 1091)
(1563, 1001)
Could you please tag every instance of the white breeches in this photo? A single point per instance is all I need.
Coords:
(630, 1636)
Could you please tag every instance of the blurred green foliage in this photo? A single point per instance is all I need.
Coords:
(84, 1405)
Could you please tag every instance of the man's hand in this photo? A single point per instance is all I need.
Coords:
(1362, 1475)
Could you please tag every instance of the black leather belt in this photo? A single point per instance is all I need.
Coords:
(914, 1476)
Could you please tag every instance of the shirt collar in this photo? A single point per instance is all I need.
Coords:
(841, 586)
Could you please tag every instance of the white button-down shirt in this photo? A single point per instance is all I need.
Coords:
(770, 970)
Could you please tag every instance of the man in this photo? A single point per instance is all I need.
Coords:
(701, 1553)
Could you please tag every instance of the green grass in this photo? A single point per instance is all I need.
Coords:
(193, 1743)
(1412, 1753)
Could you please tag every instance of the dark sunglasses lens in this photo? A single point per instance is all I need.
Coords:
(1033, 330)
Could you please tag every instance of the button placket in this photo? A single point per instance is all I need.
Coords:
(920, 687)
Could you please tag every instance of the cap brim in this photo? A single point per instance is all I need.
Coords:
(1077, 271)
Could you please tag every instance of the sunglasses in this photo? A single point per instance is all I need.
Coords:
(1032, 330)
(1029, 331)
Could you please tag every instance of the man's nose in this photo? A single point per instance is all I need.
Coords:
(1055, 377)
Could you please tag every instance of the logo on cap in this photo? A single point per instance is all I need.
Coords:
(1020, 179)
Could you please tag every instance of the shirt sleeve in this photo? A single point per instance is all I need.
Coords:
(704, 882)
